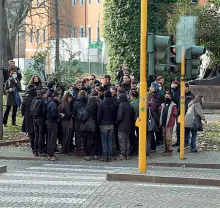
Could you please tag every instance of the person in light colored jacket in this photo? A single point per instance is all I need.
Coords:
(194, 108)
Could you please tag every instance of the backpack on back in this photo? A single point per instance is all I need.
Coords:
(80, 113)
(36, 108)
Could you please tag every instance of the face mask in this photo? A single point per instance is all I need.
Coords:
(167, 100)
(14, 76)
(173, 86)
(160, 88)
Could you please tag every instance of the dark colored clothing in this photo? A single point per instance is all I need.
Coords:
(31, 141)
(126, 87)
(75, 92)
(116, 100)
(189, 97)
(176, 96)
(107, 87)
(10, 83)
(124, 142)
(65, 139)
(101, 98)
(91, 112)
(78, 135)
(88, 139)
(164, 115)
(52, 112)
(107, 112)
(125, 117)
(52, 129)
(121, 74)
(6, 114)
(64, 108)
(7, 72)
(79, 107)
(43, 108)
(39, 134)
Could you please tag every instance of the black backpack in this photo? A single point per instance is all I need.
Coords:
(36, 107)
(80, 113)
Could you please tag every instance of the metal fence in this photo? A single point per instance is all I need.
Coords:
(99, 69)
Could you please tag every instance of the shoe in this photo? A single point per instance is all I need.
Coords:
(127, 158)
(53, 158)
(14, 124)
(103, 159)
(121, 157)
(5, 125)
(35, 154)
(109, 159)
(194, 150)
(87, 158)
(95, 157)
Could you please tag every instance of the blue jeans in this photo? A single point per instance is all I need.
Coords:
(193, 138)
(107, 134)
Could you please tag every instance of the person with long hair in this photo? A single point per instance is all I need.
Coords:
(89, 136)
(194, 110)
(36, 80)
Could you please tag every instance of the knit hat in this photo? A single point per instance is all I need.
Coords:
(155, 85)
(176, 82)
(108, 93)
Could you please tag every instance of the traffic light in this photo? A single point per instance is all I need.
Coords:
(193, 61)
(172, 65)
(157, 49)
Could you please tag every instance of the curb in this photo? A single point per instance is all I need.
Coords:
(3, 169)
(13, 142)
(23, 158)
(159, 179)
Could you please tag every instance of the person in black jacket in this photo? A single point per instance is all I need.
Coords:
(89, 136)
(39, 121)
(12, 86)
(79, 108)
(64, 108)
(188, 95)
(27, 125)
(107, 112)
(126, 84)
(122, 72)
(53, 117)
(125, 121)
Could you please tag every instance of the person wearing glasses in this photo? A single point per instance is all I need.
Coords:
(93, 80)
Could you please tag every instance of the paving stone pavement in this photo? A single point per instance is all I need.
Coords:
(61, 184)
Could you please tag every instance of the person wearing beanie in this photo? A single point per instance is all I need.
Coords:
(107, 112)
(125, 121)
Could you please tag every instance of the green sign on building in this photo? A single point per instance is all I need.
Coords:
(96, 44)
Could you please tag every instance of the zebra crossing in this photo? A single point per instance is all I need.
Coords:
(52, 185)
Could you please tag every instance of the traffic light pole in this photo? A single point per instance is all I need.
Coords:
(182, 106)
(143, 90)
(1, 73)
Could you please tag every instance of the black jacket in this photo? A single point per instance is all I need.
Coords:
(64, 108)
(125, 118)
(10, 95)
(121, 74)
(189, 97)
(53, 115)
(27, 125)
(107, 112)
(91, 112)
(79, 106)
(126, 87)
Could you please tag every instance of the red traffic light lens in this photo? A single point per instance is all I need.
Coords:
(174, 50)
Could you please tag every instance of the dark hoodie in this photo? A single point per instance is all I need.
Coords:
(125, 118)
(189, 97)
(52, 112)
(79, 107)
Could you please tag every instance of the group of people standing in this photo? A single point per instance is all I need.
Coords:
(99, 115)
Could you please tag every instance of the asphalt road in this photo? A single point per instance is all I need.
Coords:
(46, 184)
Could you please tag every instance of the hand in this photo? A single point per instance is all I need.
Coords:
(62, 115)
(10, 90)
(205, 121)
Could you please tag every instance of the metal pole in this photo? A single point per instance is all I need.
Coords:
(1, 73)
(143, 89)
(18, 48)
(182, 106)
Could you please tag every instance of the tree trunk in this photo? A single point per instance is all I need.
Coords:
(12, 43)
(57, 58)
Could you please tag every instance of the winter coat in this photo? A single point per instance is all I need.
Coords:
(27, 125)
(6, 73)
(64, 108)
(79, 106)
(121, 74)
(126, 87)
(176, 96)
(107, 112)
(171, 116)
(53, 115)
(107, 86)
(10, 95)
(125, 117)
(135, 104)
(91, 112)
(193, 109)
(75, 93)
(189, 97)
(154, 109)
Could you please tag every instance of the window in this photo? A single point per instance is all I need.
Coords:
(81, 2)
(37, 35)
(98, 1)
(73, 2)
(81, 32)
(44, 35)
(90, 33)
(98, 33)
(37, 3)
(31, 35)
(74, 31)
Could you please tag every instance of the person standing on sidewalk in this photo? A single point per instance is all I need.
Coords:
(167, 121)
(12, 88)
(53, 117)
(125, 122)
(107, 112)
(64, 108)
(37, 111)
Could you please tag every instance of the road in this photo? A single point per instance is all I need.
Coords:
(61, 184)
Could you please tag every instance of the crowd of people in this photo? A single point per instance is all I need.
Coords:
(96, 119)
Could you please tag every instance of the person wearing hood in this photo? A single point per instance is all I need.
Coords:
(107, 112)
(36, 80)
(167, 121)
(27, 124)
(12, 88)
(125, 122)
(79, 108)
(194, 109)
(53, 117)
